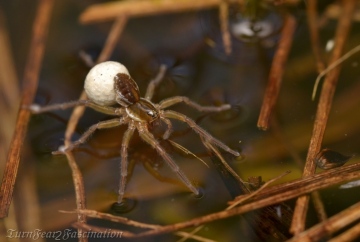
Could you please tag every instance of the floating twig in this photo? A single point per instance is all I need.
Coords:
(276, 72)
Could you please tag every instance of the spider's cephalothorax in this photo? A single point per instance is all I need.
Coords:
(109, 83)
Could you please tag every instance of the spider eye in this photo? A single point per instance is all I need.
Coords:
(151, 113)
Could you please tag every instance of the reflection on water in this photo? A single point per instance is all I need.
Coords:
(206, 75)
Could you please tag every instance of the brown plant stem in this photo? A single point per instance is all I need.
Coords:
(270, 196)
(30, 82)
(224, 26)
(322, 114)
(109, 11)
(79, 190)
(276, 72)
(349, 235)
(330, 226)
(319, 206)
(312, 19)
(9, 91)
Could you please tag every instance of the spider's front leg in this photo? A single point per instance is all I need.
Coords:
(169, 129)
(150, 139)
(174, 100)
(178, 99)
(124, 161)
(203, 133)
(101, 125)
(153, 83)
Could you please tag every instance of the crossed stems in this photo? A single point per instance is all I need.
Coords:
(142, 127)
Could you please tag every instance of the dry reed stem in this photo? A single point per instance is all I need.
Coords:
(276, 72)
(78, 112)
(113, 218)
(9, 91)
(349, 235)
(25, 200)
(123, 220)
(224, 25)
(270, 196)
(184, 235)
(330, 226)
(125, 234)
(192, 236)
(343, 58)
(109, 11)
(113, 38)
(312, 19)
(242, 198)
(30, 82)
(79, 190)
(8, 78)
(319, 206)
(322, 114)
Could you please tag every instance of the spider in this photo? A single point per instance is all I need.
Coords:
(109, 83)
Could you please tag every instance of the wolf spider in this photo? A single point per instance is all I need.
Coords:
(110, 83)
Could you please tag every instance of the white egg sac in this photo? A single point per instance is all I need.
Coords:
(99, 82)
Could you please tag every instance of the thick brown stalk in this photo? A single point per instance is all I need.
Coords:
(322, 114)
(30, 83)
(276, 72)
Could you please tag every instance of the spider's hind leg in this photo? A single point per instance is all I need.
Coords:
(150, 139)
(124, 162)
(101, 125)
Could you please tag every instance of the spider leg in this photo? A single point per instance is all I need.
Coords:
(154, 82)
(203, 133)
(101, 125)
(169, 129)
(124, 161)
(174, 100)
(35, 108)
(150, 139)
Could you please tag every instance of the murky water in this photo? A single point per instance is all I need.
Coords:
(205, 74)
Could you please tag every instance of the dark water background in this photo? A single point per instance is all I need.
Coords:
(206, 75)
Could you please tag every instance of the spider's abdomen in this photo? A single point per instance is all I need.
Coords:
(126, 90)
(99, 82)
